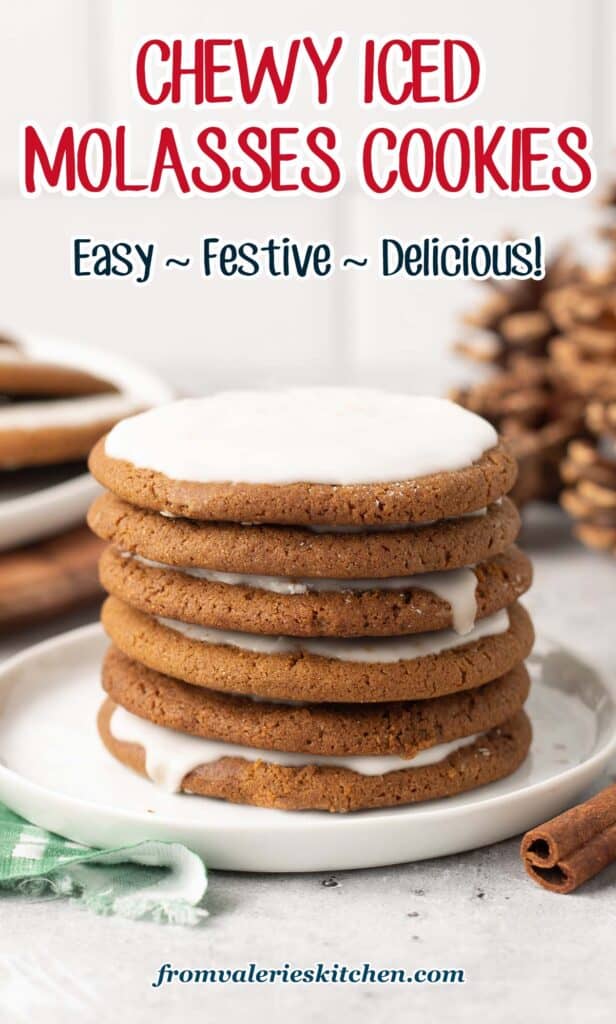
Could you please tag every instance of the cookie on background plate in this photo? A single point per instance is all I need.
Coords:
(40, 433)
(24, 375)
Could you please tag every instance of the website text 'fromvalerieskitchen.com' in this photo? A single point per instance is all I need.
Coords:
(317, 973)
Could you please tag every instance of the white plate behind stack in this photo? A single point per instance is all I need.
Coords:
(44, 504)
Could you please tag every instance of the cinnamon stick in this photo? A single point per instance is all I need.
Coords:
(568, 850)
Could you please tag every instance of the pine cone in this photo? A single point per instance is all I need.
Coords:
(534, 409)
(514, 317)
(607, 200)
(589, 470)
(584, 353)
(535, 418)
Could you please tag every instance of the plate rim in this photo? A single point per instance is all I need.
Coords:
(94, 632)
(62, 491)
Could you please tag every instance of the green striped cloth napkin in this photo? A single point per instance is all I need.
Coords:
(163, 882)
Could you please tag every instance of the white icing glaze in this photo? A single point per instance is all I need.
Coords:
(456, 586)
(382, 649)
(66, 412)
(319, 435)
(170, 755)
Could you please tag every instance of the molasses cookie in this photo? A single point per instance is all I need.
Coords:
(301, 551)
(340, 670)
(58, 430)
(325, 607)
(309, 456)
(305, 781)
(21, 374)
(402, 728)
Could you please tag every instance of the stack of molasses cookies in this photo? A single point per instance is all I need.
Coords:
(313, 599)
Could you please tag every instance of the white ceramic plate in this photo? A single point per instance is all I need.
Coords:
(39, 504)
(55, 771)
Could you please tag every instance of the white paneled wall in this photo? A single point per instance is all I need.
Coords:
(73, 60)
(44, 73)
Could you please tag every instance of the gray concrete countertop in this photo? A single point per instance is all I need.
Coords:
(520, 947)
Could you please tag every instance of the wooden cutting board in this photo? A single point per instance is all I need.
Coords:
(49, 578)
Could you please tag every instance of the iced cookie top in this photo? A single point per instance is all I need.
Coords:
(313, 435)
(314, 456)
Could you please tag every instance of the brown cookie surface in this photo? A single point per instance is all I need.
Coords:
(295, 551)
(401, 729)
(343, 613)
(494, 755)
(425, 498)
(298, 675)
(48, 432)
(27, 377)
